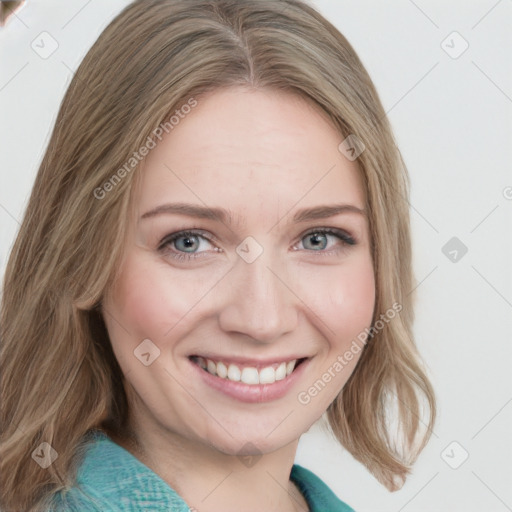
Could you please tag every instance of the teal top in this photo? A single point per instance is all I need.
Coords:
(111, 479)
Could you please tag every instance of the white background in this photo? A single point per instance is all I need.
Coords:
(452, 118)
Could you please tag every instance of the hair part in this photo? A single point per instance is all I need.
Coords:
(60, 378)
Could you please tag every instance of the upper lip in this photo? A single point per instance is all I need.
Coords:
(245, 361)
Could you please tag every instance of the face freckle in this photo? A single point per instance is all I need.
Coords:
(248, 292)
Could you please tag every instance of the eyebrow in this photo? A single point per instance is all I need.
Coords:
(226, 217)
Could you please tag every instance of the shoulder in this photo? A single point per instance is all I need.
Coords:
(77, 499)
(319, 496)
(111, 478)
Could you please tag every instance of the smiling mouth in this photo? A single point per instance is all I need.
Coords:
(248, 374)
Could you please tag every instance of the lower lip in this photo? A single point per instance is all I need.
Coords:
(254, 393)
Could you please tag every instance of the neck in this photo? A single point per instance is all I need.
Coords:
(212, 481)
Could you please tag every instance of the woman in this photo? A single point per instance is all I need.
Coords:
(216, 252)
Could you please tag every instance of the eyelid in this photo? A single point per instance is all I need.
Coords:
(212, 238)
(343, 236)
(184, 232)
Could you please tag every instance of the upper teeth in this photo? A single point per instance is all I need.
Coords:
(247, 374)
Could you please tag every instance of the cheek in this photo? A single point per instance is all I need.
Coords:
(346, 309)
(354, 299)
(149, 303)
(344, 299)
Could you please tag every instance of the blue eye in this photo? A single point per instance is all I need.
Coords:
(318, 236)
(186, 245)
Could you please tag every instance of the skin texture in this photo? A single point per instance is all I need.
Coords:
(264, 155)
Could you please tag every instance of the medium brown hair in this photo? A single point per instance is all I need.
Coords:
(60, 378)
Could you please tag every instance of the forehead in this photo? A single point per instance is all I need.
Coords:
(247, 149)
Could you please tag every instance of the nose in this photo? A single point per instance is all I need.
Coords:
(258, 301)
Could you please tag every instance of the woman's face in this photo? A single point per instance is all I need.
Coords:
(208, 325)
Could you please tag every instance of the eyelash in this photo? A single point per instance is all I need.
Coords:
(165, 243)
